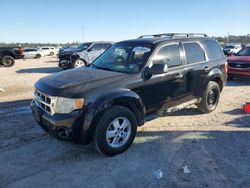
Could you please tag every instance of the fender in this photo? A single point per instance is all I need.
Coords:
(4, 53)
(123, 97)
(83, 55)
(215, 74)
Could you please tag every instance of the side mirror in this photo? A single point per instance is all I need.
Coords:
(158, 69)
(90, 50)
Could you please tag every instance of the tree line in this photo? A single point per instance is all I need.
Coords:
(35, 45)
(243, 39)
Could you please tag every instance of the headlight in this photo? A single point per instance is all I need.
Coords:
(67, 105)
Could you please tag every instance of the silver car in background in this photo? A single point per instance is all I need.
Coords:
(30, 53)
(83, 55)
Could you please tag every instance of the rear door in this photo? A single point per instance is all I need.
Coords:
(197, 67)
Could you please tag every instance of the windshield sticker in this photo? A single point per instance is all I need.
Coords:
(141, 50)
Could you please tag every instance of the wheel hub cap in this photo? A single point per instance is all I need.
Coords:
(211, 97)
(118, 132)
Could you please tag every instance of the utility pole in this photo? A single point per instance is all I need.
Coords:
(228, 36)
(248, 39)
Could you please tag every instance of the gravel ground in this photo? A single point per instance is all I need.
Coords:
(214, 148)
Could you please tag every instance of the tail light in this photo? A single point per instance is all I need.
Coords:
(225, 67)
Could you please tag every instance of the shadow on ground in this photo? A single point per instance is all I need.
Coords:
(39, 70)
(28, 156)
(53, 61)
(239, 82)
(187, 112)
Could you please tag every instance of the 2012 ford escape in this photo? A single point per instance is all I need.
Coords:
(130, 83)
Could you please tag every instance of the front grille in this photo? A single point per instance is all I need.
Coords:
(239, 65)
(65, 57)
(44, 101)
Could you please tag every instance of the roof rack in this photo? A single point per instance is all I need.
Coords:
(172, 35)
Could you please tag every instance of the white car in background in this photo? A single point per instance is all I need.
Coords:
(33, 53)
(231, 48)
(49, 50)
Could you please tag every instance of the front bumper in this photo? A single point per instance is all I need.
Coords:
(69, 127)
(65, 64)
(236, 72)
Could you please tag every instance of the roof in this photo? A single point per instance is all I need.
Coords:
(157, 40)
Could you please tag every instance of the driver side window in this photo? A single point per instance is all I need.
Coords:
(97, 47)
(169, 55)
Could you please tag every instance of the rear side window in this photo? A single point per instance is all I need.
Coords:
(169, 55)
(213, 50)
(194, 52)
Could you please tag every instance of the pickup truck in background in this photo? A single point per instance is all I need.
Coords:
(8, 56)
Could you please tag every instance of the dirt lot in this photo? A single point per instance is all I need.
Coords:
(215, 147)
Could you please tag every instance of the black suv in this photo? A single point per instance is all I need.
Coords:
(130, 83)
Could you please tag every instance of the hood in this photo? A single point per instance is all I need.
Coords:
(238, 59)
(69, 51)
(75, 82)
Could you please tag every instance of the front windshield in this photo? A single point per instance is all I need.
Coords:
(244, 52)
(83, 46)
(124, 57)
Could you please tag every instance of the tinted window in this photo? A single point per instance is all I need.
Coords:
(244, 52)
(169, 55)
(194, 52)
(97, 47)
(214, 51)
(126, 58)
(84, 46)
(45, 48)
(30, 50)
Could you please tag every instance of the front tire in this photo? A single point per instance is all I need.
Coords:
(210, 98)
(8, 61)
(79, 63)
(115, 131)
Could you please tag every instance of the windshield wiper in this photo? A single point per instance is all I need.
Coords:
(102, 68)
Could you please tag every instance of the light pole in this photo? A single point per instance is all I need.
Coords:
(228, 37)
(248, 38)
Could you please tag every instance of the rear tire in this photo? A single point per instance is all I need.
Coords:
(8, 61)
(210, 98)
(115, 131)
(79, 63)
(38, 56)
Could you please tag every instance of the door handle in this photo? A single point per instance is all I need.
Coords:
(178, 76)
(206, 69)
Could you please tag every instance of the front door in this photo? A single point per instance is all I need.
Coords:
(166, 90)
(95, 51)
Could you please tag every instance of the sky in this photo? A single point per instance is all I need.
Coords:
(60, 21)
